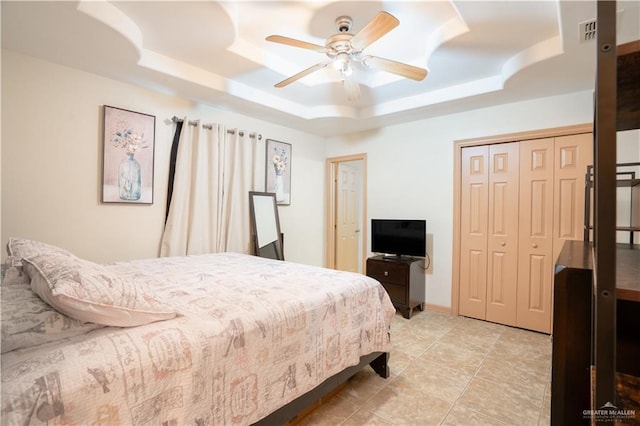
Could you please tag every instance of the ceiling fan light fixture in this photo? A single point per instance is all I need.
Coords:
(342, 63)
(346, 72)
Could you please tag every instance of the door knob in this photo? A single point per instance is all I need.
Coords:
(503, 243)
(535, 245)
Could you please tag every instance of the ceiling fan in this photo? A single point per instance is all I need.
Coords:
(344, 48)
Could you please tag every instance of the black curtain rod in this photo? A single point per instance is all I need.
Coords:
(209, 127)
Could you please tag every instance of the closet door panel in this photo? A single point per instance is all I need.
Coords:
(572, 155)
(535, 257)
(502, 238)
(473, 232)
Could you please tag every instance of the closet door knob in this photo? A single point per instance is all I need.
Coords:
(503, 243)
(535, 245)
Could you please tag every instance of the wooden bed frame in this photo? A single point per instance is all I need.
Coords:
(379, 361)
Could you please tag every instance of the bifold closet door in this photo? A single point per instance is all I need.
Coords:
(474, 201)
(535, 254)
(572, 156)
(519, 202)
(551, 212)
(489, 231)
(502, 240)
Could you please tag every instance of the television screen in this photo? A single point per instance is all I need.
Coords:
(399, 237)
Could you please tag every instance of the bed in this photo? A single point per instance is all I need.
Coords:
(229, 338)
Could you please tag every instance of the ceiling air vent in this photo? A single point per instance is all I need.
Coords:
(587, 31)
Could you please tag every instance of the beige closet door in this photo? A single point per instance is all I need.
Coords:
(519, 202)
(535, 255)
(473, 232)
(502, 240)
(572, 155)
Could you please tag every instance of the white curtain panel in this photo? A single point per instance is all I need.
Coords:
(209, 211)
(240, 158)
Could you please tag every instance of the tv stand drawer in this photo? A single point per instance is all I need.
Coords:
(389, 272)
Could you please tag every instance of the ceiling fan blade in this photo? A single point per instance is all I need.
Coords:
(381, 24)
(405, 70)
(351, 88)
(296, 43)
(301, 74)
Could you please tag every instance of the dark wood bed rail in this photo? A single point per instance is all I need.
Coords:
(379, 361)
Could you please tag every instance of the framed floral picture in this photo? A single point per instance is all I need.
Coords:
(278, 167)
(127, 166)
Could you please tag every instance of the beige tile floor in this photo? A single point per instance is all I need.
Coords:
(448, 370)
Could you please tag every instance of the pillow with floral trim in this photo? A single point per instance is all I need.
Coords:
(90, 292)
(28, 321)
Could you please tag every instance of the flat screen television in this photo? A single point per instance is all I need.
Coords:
(399, 237)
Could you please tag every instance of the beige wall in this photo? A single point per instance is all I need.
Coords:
(52, 154)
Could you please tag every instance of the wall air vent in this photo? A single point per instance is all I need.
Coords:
(587, 31)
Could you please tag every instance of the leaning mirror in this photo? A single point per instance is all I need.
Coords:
(267, 239)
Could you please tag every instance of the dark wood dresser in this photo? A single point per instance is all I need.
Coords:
(403, 278)
(573, 342)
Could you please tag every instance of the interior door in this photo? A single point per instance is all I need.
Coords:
(348, 218)
(474, 199)
(502, 237)
(535, 256)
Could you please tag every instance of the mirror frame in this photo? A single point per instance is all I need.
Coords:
(272, 249)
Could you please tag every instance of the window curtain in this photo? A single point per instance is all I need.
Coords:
(209, 205)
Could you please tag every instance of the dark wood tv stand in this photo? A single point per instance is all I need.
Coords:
(403, 278)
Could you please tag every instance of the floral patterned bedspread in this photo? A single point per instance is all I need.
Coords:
(253, 334)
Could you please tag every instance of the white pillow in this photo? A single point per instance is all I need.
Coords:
(90, 292)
